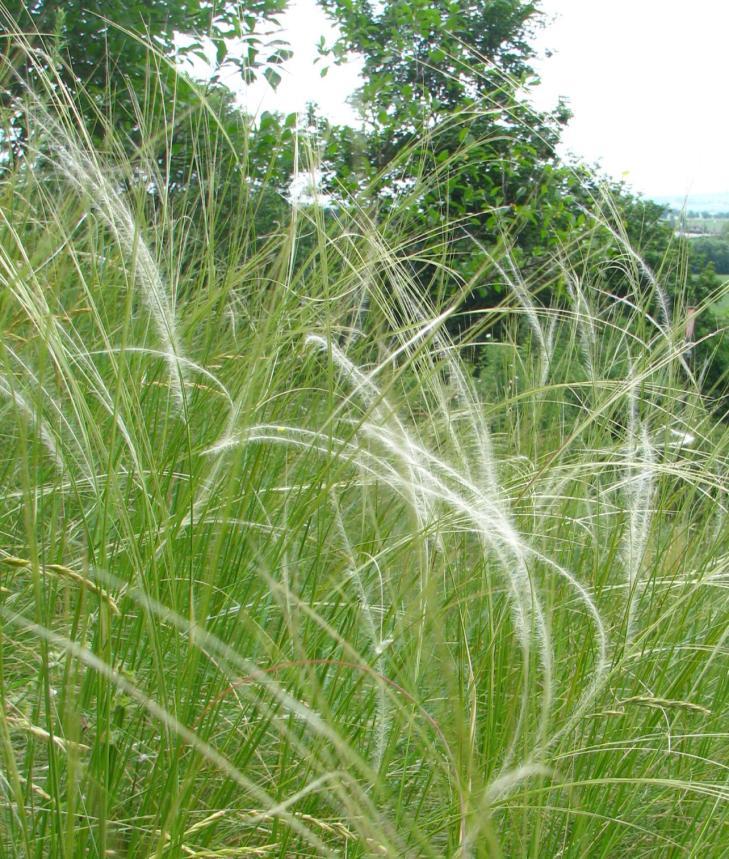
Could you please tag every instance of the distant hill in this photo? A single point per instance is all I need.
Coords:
(711, 203)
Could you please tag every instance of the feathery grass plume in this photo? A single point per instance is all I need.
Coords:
(224, 677)
(7, 389)
(514, 281)
(666, 325)
(496, 535)
(475, 462)
(474, 452)
(379, 644)
(583, 320)
(55, 339)
(594, 687)
(66, 152)
(639, 488)
(390, 425)
(381, 411)
(439, 481)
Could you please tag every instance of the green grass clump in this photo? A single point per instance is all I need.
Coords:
(283, 575)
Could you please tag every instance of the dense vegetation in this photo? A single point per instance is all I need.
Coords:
(387, 521)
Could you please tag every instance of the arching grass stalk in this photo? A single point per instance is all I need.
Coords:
(639, 488)
(379, 645)
(75, 163)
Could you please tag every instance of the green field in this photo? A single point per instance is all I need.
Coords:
(708, 226)
(281, 577)
(327, 534)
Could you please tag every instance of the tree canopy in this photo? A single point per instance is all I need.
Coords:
(449, 141)
(105, 46)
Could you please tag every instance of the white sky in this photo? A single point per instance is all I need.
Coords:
(647, 81)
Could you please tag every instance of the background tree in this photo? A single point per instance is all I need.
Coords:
(448, 131)
(103, 47)
(449, 134)
(118, 64)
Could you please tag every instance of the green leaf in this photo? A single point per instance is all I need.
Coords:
(273, 77)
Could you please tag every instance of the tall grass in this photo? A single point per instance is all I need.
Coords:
(283, 575)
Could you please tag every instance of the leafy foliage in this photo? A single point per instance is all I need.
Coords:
(441, 98)
(103, 46)
(710, 249)
(453, 150)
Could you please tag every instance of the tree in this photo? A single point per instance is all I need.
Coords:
(449, 135)
(427, 58)
(448, 132)
(114, 62)
(104, 46)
